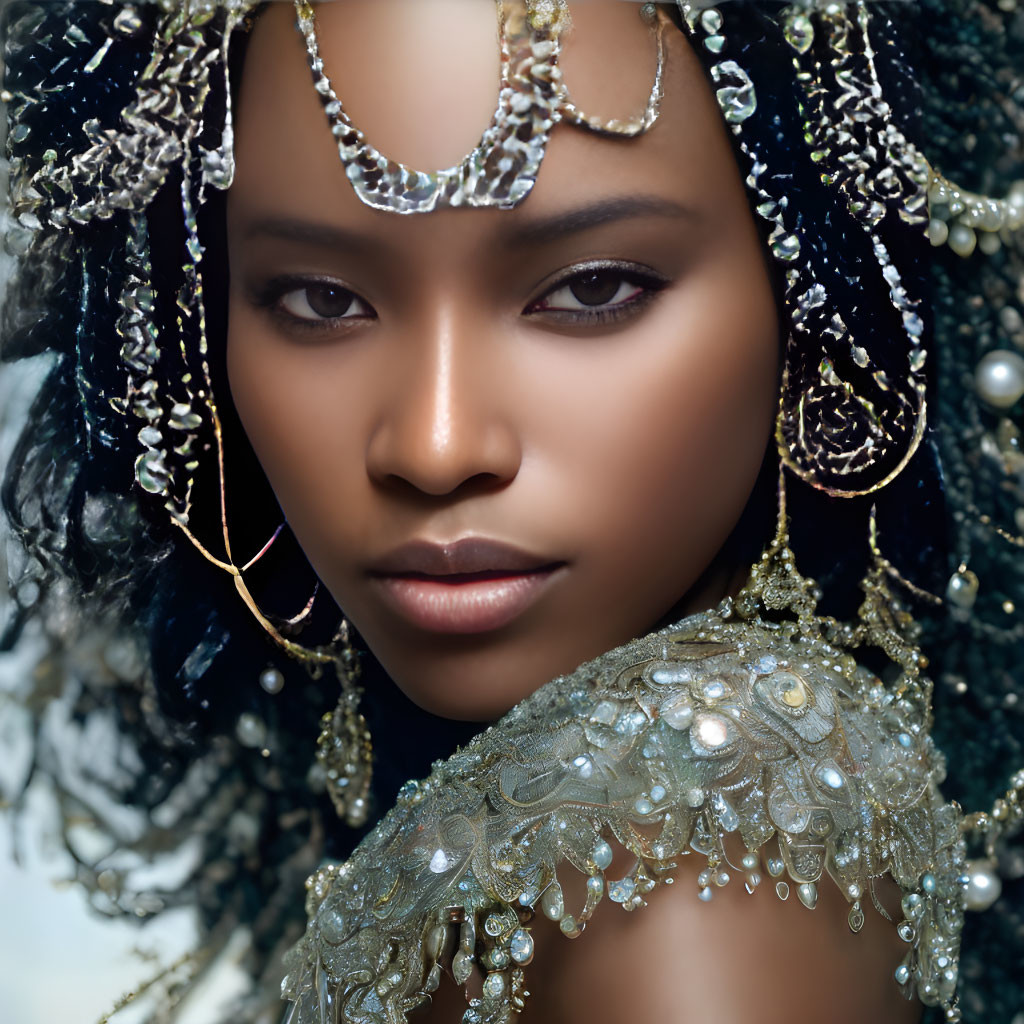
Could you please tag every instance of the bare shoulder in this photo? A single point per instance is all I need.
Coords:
(740, 958)
(736, 959)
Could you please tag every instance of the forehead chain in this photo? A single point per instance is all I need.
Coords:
(532, 98)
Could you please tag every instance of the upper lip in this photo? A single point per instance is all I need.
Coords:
(461, 557)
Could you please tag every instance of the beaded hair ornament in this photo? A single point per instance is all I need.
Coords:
(752, 718)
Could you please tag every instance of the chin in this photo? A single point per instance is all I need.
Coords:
(471, 686)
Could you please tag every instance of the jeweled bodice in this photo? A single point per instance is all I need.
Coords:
(663, 747)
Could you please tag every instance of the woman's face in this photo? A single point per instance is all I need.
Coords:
(506, 440)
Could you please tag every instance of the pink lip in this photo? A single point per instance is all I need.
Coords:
(470, 586)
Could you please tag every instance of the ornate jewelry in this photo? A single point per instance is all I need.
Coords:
(846, 424)
(728, 721)
(532, 98)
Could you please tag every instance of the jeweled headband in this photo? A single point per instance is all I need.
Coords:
(532, 98)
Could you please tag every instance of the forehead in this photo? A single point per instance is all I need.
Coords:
(421, 82)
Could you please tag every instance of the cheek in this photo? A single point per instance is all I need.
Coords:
(661, 436)
(302, 429)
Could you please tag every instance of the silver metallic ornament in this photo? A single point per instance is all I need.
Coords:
(532, 99)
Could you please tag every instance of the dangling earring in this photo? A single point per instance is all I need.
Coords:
(167, 468)
(344, 749)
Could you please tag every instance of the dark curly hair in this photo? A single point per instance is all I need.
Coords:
(146, 635)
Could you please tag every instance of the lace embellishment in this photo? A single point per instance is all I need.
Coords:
(663, 747)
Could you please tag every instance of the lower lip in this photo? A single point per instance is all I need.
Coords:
(472, 606)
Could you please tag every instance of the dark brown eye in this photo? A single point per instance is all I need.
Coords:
(324, 301)
(596, 288)
(328, 300)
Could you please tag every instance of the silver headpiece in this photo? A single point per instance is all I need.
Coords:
(532, 98)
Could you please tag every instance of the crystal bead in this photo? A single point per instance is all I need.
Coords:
(494, 985)
(913, 906)
(462, 966)
(520, 946)
(667, 676)
(714, 689)
(435, 942)
(333, 927)
(782, 890)
(678, 715)
(799, 32)
(620, 891)
(439, 862)
(551, 903)
(807, 893)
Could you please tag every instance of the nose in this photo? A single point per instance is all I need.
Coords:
(446, 426)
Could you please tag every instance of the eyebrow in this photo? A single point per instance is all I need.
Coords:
(544, 230)
(306, 232)
(535, 232)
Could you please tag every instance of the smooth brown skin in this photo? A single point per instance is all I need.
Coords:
(453, 406)
(627, 452)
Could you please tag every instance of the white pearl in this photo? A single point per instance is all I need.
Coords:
(250, 730)
(999, 378)
(962, 589)
(989, 243)
(983, 884)
(962, 239)
(938, 231)
(992, 214)
(272, 680)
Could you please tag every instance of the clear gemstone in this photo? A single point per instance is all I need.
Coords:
(462, 966)
(621, 890)
(520, 946)
(678, 715)
(494, 985)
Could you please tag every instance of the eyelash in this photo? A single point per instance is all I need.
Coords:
(646, 281)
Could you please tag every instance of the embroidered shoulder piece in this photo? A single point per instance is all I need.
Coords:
(663, 746)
